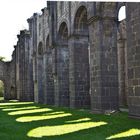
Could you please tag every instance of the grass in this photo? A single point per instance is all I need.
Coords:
(30, 121)
(1, 99)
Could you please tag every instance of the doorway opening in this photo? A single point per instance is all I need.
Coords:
(1, 90)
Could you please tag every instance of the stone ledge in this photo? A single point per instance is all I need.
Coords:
(134, 116)
(106, 112)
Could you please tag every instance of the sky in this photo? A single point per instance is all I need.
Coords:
(14, 15)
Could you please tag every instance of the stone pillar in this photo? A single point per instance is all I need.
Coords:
(62, 76)
(17, 72)
(40, 79)
(103, 59)
(133, 53)
(54, 74)
(122, 63)
(122, 73)
(49, 82)
(28, 87)
(35, 79)
(79, 71)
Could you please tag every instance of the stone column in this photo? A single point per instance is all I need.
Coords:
(49, 82)
(61, 76)
(133, 53)
(40, 79)
(122, 63)
(35, 78)
(122, 72)
(79, 71)
(54, 74)
(103, 59)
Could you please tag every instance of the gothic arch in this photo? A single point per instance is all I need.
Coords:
(81, 4)
(119, 5)
(119, 8)
(80, 21)
(63, 33)
(60, 26)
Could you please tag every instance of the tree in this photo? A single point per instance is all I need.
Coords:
(2, 58)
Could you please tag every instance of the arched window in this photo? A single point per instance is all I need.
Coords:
(122, 13)
(63, 32)
(80, 23)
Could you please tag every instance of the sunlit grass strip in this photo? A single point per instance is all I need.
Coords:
(79, 120)
(20, 108)
(29, 111)
(54, 113)
(38, 118)
(16, 103)
(62, 129)
(13, 100)
(1, 98)
(131, 132)
(2, 107)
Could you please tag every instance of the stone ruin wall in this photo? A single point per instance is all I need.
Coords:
(76, 54)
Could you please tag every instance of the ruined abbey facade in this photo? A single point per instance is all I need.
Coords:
(78, 55)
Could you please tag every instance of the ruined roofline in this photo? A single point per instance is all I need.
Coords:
(43, 10)
(23, 33)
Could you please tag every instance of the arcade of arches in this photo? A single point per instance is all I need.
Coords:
(80, 56)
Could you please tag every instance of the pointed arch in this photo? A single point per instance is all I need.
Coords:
(122, 13)
(63, 32)
(80, 20)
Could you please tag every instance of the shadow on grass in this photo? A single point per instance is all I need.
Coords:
(62, 124)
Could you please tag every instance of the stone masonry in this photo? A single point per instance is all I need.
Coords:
(78, 55)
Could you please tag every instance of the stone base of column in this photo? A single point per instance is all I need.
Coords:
(95, 111)
(133, 116)
(104, 111)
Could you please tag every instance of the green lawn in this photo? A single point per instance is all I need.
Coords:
(29, 121)
(1, 99)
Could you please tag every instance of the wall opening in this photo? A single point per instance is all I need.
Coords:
(1, 90)
(122, 13)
